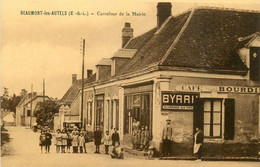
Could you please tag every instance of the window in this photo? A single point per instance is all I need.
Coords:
(139, 107)
(255, 63)
(117, 114)
(213, 118)
(89, 113)
(112, 115)
(28, 113)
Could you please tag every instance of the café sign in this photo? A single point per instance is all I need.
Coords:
(178, 101)
(220, 89)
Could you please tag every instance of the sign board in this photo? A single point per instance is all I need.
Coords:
(220, 89)
(178, 101)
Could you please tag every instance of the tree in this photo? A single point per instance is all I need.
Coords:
(45, 112)
(9, 103)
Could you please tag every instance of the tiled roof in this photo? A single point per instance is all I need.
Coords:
(151, 47)
(74, 89)
(125, 53)
(211, 38)
(202, 38)
(72, 92)
(105, 62)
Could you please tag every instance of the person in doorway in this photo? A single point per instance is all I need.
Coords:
(117, 151)
(146, 138)
(58, 140)
(42, 140)
(97, 138)
(142, 138)
(167, 138)
(198, 142)
(135, 139)
(64, 140)
(136, 125)
(107, 141)
(115, 137)
(48, 141)
(138, 139)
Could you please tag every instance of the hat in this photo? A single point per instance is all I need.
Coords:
(168, 119)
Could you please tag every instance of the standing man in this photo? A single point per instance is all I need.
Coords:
(167, 138)
(97, 138)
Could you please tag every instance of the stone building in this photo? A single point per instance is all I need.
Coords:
(200, 68)
(26, 108)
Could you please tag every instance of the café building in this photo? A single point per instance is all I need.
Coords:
(200, 68)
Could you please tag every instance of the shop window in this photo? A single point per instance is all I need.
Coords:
(138, 106)
(255, 63)
(212, 118)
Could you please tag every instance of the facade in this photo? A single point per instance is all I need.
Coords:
(200, 69)
(26, 107)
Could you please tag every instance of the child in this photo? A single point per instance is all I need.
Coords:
(107, 141)
(138, 142)
(58, 141)
(64, 138)
(146, 138)
(74, 142)
(117, 152)
(42, 140)
(135, 139)
(68, 141)
(48, 141)
(142, 138)
(81, 142)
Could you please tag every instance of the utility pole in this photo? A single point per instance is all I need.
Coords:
(43, 92)
(82, 83)
(31, 105)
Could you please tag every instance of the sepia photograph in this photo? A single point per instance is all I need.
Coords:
(143, 83)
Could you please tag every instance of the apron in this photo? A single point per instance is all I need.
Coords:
(196, 146)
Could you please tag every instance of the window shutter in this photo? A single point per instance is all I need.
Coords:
(229, 128)
(198, 114)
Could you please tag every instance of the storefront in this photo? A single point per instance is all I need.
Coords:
(138, 106)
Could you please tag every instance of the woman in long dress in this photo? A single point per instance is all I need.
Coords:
(198, 143)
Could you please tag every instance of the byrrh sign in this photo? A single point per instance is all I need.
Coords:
(178, 101)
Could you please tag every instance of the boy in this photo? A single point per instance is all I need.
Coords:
(117, 152)
(107, 141)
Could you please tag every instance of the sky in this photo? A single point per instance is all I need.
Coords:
(37, 47)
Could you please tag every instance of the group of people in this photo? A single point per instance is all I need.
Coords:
(78, 138)
(141, 136)
(45, 140)
(167, 138)
(110, 139)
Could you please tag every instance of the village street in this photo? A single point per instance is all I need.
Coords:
(25, 152)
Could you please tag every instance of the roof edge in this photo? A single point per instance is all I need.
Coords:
(227, 9)
(204, 70)
(177, 38)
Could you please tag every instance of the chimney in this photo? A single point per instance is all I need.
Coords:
(164, 10)
(74, 78)
(127, 34)
(89, 73)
